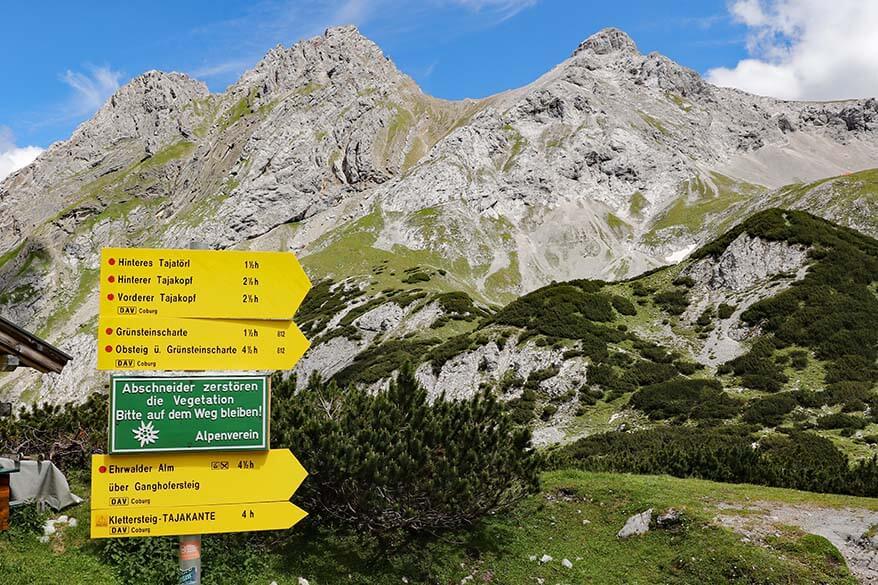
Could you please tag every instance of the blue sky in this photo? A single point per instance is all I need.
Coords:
(63, 59)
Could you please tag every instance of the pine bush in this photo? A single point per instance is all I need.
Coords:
(392, 462)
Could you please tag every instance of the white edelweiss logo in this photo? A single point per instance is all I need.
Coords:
(146, 434)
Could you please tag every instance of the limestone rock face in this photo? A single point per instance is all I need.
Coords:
(609, 40)
(608, 165)
(746, 262)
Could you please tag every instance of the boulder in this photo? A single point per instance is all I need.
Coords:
(636, 525)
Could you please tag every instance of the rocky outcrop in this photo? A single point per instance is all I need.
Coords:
(747, 262)
(609, 40)
(325, 147)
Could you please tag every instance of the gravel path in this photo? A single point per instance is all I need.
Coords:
(845, 528)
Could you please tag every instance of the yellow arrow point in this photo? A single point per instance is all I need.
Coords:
(295, 514)
(296, 471)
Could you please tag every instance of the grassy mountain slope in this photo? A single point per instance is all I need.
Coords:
(773, 325)
(576, 517)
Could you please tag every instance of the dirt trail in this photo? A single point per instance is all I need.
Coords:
(845, 528)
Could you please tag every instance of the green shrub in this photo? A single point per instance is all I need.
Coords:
(142, 561)
(325, 300)
(572, 310)
(762, 382)
(842, 392)
(645, 373)
(727, 453)
(655, 353)
(537, 376)
(724, 311)
(378, 362)
(756, 368)
(832, 310)
(26, 519)
(459, 305)
(673, 302)
(439, 355)
(809, 398)
(623, 306)
(67, 434)
(851, 367)
(589, 396)
(854, 406)
(521, 409)
(799, 359)
(841, 421)
(153, 561)
(770, 410)
(680, 397)
(601, 375)
(392, 461)
(706, 318)
(510, 379)
(687, 368)
(416, 277)
(549, 411)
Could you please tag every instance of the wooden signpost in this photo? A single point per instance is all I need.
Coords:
(189, 455)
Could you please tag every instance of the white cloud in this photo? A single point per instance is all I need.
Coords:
(235, 66)
(13, 157)
(353, 11)
(504, 8)
(91, 89)
(806, 49)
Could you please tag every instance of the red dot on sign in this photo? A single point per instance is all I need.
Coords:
(109, 349)
(112, 261)
(102, 469)
(112, 279)
(109, 330)
(110, 297)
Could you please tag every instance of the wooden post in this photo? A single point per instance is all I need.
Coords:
(190, 560)
(190, 545)
(4, 502)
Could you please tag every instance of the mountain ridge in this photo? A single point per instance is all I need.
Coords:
(610, 164)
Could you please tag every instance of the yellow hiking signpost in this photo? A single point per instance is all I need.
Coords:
(208, 519)
(172, 479)
(172, 343)
(224, 284)
(195, 447)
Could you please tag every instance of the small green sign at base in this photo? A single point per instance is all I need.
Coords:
(191, 413)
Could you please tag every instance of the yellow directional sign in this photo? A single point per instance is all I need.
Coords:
(169, 343)
(168, 480)
(209, 519)
(227, 284)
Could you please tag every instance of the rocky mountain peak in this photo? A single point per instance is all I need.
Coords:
(608, 165)
(152, 92)
(340, 55)
(150, 108)
(606, 41)
(159, 87)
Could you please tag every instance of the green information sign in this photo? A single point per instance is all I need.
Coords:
(189, 413)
